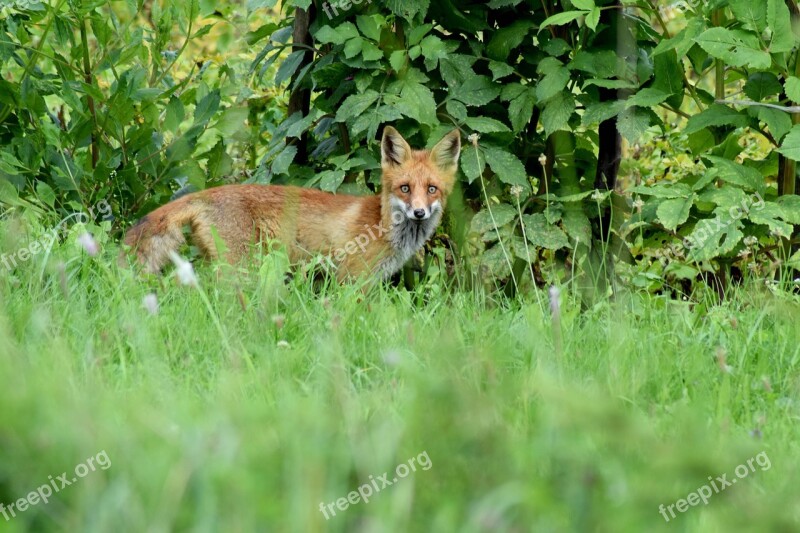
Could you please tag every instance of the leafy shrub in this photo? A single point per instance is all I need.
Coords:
(552, 89)
(97, 103)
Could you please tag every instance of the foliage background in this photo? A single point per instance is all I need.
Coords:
(604, 153)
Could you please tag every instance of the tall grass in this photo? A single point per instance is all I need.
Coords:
(244, 404)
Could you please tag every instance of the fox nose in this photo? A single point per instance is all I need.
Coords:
(419, 213)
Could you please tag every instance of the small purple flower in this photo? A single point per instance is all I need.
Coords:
(89, 244)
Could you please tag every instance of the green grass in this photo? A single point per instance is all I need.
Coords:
(244, 404)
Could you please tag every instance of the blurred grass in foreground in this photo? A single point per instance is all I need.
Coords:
(289, 397)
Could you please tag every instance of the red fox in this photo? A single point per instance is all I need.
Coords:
(375, 235)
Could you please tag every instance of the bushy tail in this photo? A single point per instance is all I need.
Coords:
(161, 232)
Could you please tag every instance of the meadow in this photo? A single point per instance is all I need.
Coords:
(564, 362)
(254, 400)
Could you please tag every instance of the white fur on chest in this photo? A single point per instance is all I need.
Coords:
(406, 238)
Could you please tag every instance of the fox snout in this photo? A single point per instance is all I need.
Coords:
(414, 210)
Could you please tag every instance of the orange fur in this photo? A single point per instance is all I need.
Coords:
(360, 233)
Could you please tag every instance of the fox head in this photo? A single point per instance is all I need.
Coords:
(416, 183)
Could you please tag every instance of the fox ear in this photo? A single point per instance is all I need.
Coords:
(394, 149)
(445, 153)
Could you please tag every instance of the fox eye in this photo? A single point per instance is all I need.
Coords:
(432, 189)
(405, 189)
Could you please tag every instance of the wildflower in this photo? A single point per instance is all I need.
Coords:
(555, 304)
(184, 270)
(750, 240)
(283, 344)
(597, 196)
(88, 243)
(638, 204)
(543, 159)
(473, 138)
(150, 303)
(516, 190)
(392, 358)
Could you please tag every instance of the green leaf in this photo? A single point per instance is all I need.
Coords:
(553, 83)
(790, 206)
(482, 221)
(521, 100)
(780, 22)
(593, 18)
(330, 180)
(370, 26)
(577, 224)
(588, 5)
(506, 39)
(457, 68)
(792, 88)
(559, 19)
(748, 178)
(457, 110)
(508, 168)
(232, 120)
(684, 40)
(602, 111)
(219, 163)
(397, 60)
(672, 213)
(778, 122)
(669, 74)
(542, 234)
(495, 262)
(714, 237)
(206, 107)
(289, 66)
(600, 63)
(433, 49)
(557, 112)
(174, 114)
(486, 125)
(281, 163)
(477, 91)
(408, 9)
(663, 190)
(417, 33)
(46, 194)
(352, 48)
(649, 97)
(473, 165)
(790, 147)
(356, 104)
(339, 35)
(9, 195)
(753, 14)
(633, 122)
(418, 103)
(735, 47)
(771, 215)
(716, 115)
(500, 69)
(761, 85)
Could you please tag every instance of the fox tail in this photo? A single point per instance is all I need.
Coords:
(159, 233)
